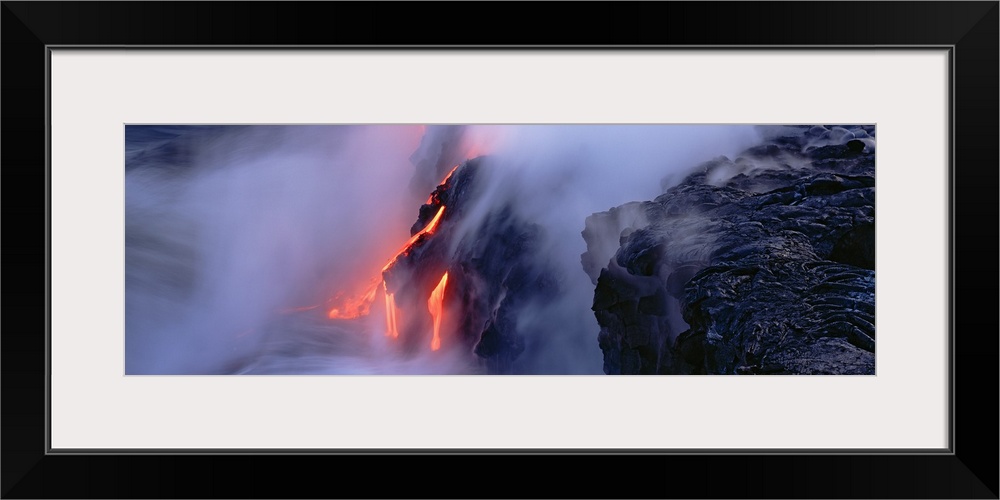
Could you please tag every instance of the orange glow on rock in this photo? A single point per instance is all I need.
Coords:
(429, 229)
(450, 173)
(435, 304)
(359, 305)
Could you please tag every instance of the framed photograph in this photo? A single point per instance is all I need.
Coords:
(293, 234)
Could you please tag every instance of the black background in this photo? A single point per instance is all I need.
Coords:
(971, 472)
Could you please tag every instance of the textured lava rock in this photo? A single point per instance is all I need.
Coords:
(759, 265)
(491, 256)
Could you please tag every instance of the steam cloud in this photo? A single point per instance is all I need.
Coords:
(235, 236)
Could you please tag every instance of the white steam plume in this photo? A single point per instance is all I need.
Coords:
(263, 219)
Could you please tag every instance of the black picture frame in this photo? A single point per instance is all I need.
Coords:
(969, 29)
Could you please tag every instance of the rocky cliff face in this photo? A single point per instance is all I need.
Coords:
(491, 257)
(762, 264)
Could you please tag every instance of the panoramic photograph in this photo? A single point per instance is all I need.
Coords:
(451, 249)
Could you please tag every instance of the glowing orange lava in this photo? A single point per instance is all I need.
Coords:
(390, 313)
(435, 306)
(430, 199)
(354, 307)
(359, 305)
(450, 173)
(429, 229)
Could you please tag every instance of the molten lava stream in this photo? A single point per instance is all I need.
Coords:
(429, 229)
(435, 305)
(355, 307)
(391, 330)
(450, 173)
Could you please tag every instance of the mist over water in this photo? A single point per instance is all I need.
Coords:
(237, 236)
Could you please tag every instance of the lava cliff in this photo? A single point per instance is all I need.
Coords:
(762, 264)
(490, 255)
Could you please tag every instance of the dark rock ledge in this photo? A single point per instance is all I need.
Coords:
(762, 264)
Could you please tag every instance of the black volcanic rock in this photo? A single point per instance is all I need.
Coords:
(759, 265)
(492, 259)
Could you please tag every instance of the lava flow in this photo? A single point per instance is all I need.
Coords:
(435, 306)
(391, 330)
(429, 229)
(357, 306)
(430, 199)
(360, 305)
